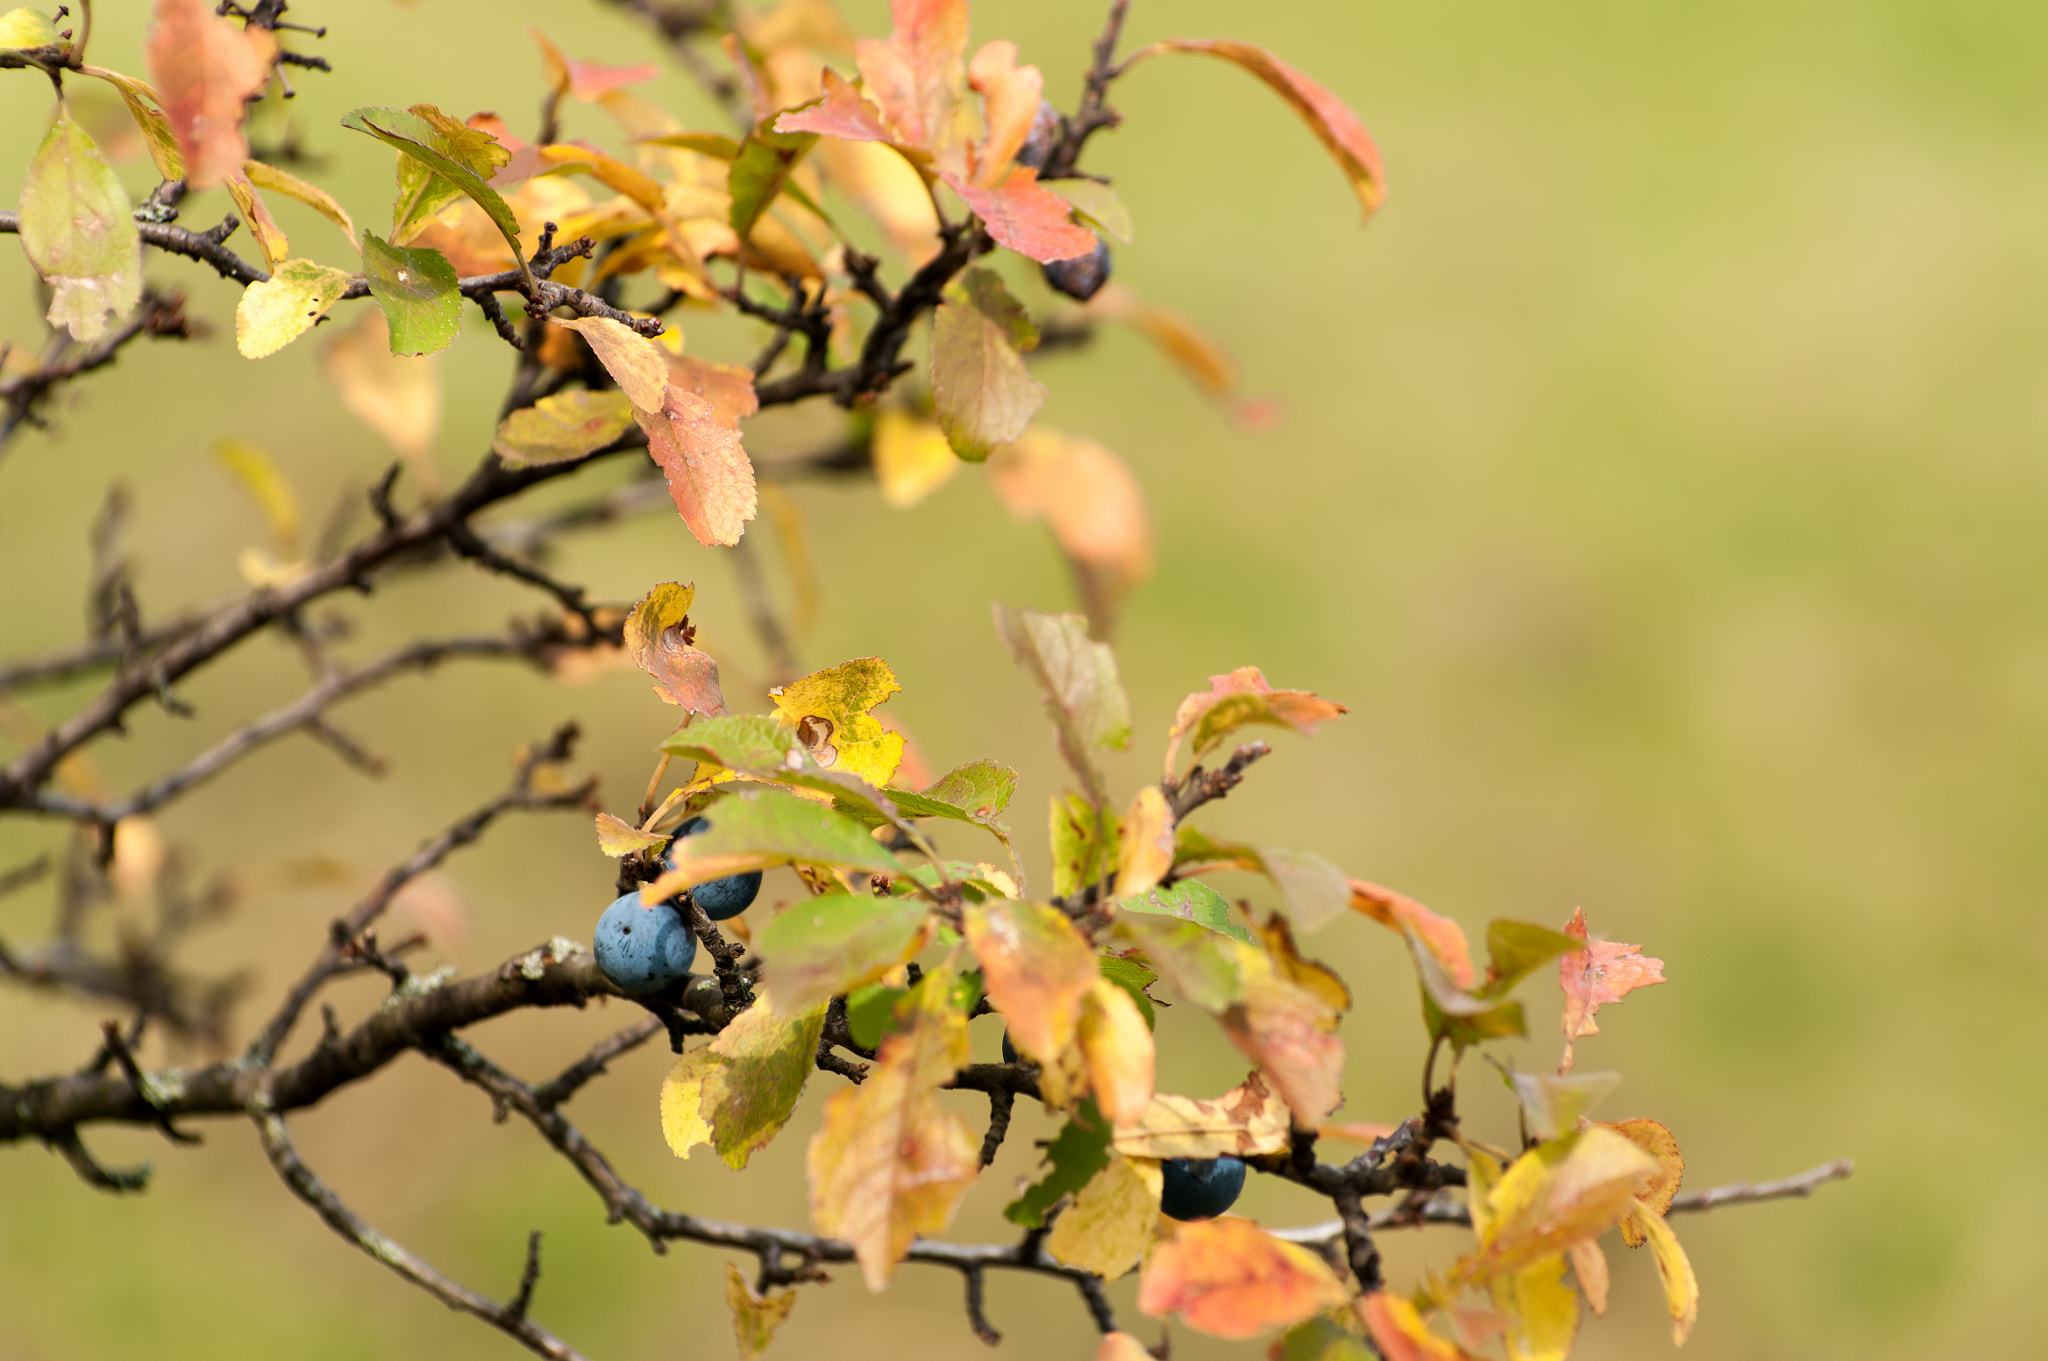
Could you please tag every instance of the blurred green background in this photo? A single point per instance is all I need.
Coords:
(1661, 487)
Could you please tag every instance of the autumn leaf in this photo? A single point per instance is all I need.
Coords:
(1078, 677)
(1037, 969)
(1290, 1033)
(617, 837)
(1121, 1347)
(916, 75)
(312, 195)
(1146, 851)
(1313, 891)
(1444, 938)
(1196, 960)
(157, 134)
(562, 426)
(276, 311)
(1072, 1159)
(829, 711)
(1087, 497)
(1327, 116)
(1229, 1278)
(1602, 971)
(729, 388)
(737, 1092)
(710, 478)
(634, 362)
(764, 828)
(1025, 216)
(1235, 700)
(1247, 1120)
(842, 113)
(588, 81)
(1399, 1332)
(1657, 1193)
(819, 948)
(911, 456)
(658, 637)
(1589, 1268)
(1319, 980)
(270, 237)
(396, 396)
(1084, 843)
(754, 1317)
(416, 288)
(1198, 355)
(1674, 1269)
(77, 232)
(1556, 1194)
(984, 394)
(1117, 1046)
(1111, 1222)
(888, 1161)
(1010, 97)
(1541, 1311)
(205, 70)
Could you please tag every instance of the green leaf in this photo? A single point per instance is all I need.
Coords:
(750, 742)
(20, 28)
(1097, 205)
(1075, 1156)
(1133, 978)
(1084, 843)
(1321, 1338)
(1314, 891)
(983, 393)
(773, 828)
(460, 156)
(156, 129)
(1191, 900)
(1517, 949)
(1196, 962)
(276, 311)
(716, 145)
(821, 947)
(77, 232)
(976, 792)
(1078, 677)
(739, 1091)
(416, 287)
(1554, 1104)
(871, 1013)
(563, 426)
(761, 171)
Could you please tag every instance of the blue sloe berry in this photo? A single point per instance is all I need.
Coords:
(641, 948)
(721, 898)
(1200, 1188)
(1082, 277)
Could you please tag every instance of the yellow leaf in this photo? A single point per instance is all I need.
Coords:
(1036, 968)
(269, 236)
(1557, 1194)
(912, 458)
(562, 426)
(1541, 1310)
(1249, 1119)
(264, 482)
(1229, 1278)
(312, 195)
(633, 361)
(617, 837)
(1118, 1048)
(754, 1317)
(737, 1092)
(1111, 1222)
(1146, 851)
(276, 311)
(658, 637)
(398, 397)
(1674, 1269)
(1318, 980)
(829, 710)
(888, 1161)
(1290, 1032)
(1656, 1140)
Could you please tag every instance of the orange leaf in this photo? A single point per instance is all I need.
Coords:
(1010, 97)
(1237, 700)
(1146, 852)
(205, 70)
(589, 81)
(634, 362)
(916, 74)
(1589, 1265)
(658, 636)
(1605, 971)
(1400, 1333)
(1656, 1140)
(1121, 1347)
(1037, 968)
(1444, 937)
(1118, 1048)
(1087, 497)
(728, 387)
(1327, 116)
(710, 477)
(270, 237)
(1287, 1031)
(844, 114)
(1249, 1118)
(1194, 352)
(1229, 1278)
(1028, 219)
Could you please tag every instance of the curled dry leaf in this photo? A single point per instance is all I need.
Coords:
(1229, 1278)
(206, 70)
(1656, 1140)
(658, 636)
(1604, 971)
(1237, 700)
(1111, 1222)
(1088, 498)
(1248, 1119)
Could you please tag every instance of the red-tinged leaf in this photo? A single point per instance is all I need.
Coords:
(1198, 356)
(1036, 967)
(1010, 97)
(634, 362)
(1604, 971)
(205, 70)
(1121, 1347)
(1237, 700)
(843, 113)
(917, 75)
(1088, 498)
(1656, 1140)
(710, 478)
(1290, 1033)
(658, 636)
(1444, 937)
(1327, 116)
(1025, 216)
(1229, 1278)
(1399, 1332)
(728, 387)
(588, 81)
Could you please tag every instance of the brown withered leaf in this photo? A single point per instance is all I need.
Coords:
(1036, 968)
(205, 70)
(658, 636)
(1248, 1119)
(888, 1161)
(1229, 1278)
(1656, 1140)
